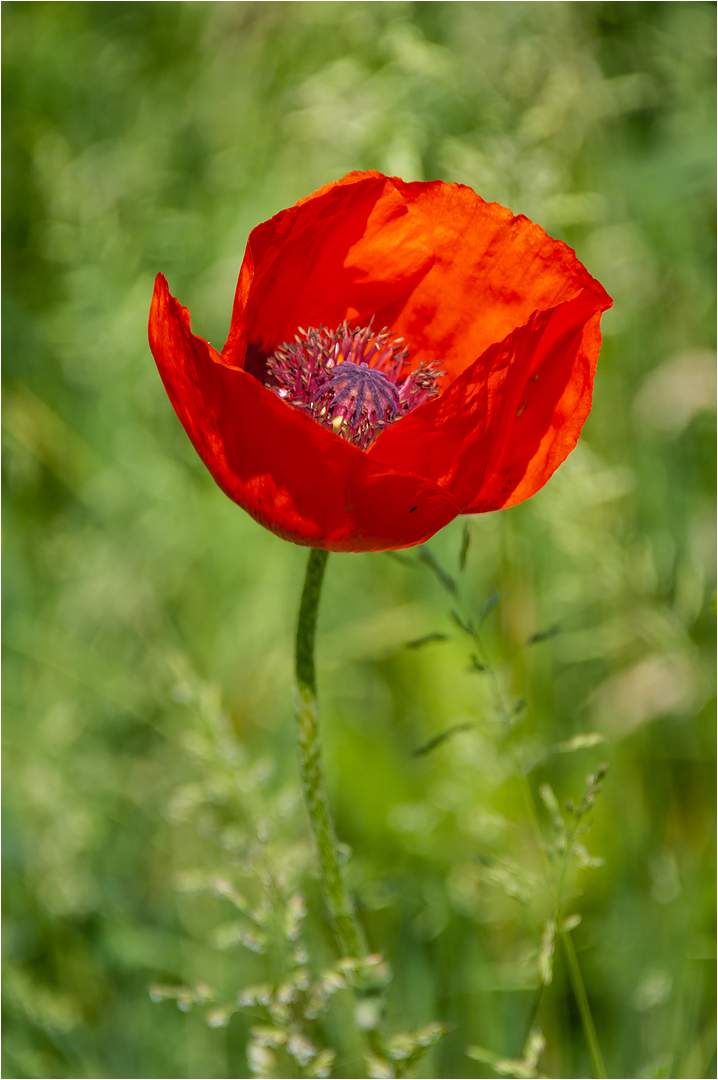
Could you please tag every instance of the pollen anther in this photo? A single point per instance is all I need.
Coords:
(351, 380)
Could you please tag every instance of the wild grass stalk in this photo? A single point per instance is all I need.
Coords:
(562, 851)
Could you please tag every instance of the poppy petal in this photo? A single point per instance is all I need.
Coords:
(449, 272)
(501, 429)
(351, 253)
(292, 475)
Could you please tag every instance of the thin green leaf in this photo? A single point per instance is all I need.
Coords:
(426, 555)
(544, 635)
(489, 604)
(439, 739)
(466, 626)
(419, 643)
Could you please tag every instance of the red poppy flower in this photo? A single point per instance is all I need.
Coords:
(335, 436)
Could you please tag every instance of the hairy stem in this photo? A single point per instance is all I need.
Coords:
(349, 935)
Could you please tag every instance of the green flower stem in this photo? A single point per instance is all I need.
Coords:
(350, 937)
(586, 1019)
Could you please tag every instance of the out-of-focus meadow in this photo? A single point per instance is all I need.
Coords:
(149, 758)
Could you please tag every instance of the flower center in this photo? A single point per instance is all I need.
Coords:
(350, 380)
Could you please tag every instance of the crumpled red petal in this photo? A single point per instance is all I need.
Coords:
(433, 261)
(293, 476)
(502, 428)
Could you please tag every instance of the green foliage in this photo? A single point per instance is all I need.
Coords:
(154, 835)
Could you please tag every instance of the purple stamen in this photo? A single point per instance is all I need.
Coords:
(349, 380)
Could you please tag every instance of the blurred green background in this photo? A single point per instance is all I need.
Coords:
(148, 621)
